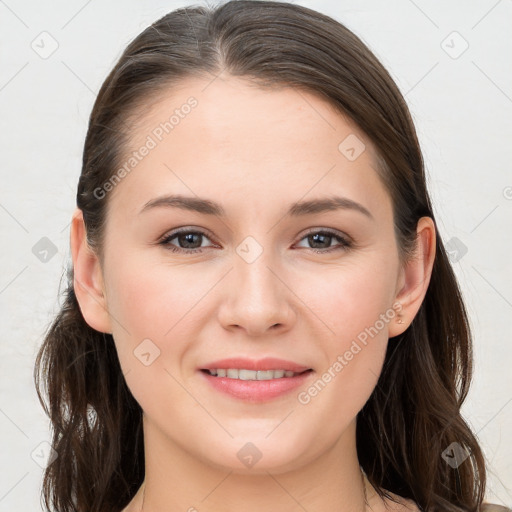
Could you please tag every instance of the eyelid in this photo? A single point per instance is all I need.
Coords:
(186, 229)
(329, 231)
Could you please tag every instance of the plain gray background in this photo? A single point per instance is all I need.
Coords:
(452, 61)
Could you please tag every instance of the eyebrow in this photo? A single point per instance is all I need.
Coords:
(297, 209)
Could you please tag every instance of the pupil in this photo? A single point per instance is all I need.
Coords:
(189, 239)
(316, 236)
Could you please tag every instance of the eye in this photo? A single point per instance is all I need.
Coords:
(322, 239)
(189, 241)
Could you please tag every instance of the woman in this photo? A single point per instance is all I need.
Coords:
(260, 312)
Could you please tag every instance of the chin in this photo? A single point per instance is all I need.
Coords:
(260, 455)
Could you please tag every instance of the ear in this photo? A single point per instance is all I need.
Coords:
(88, 278)
(414, 278)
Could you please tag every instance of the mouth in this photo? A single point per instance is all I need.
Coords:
(255, 386)
(259, 375)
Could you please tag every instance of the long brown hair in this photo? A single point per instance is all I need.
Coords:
(413, 415)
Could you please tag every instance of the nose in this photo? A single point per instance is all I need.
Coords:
(257, 298)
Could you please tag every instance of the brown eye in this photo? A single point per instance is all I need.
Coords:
(188, 241)
(320, 241)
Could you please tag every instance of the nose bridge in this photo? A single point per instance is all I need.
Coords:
(257, 297)
(255, 279)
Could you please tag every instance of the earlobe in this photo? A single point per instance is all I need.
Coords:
(88, 278)
(415, 277)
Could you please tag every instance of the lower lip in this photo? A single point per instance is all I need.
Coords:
(256, 390)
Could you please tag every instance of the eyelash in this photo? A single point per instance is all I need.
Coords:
(345, 243)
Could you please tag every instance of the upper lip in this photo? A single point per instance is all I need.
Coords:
(268, 363)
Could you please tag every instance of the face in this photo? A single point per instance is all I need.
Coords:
(263, 270)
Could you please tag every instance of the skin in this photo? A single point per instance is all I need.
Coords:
(254, 151)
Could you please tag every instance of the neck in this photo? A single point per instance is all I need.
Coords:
(177, 481)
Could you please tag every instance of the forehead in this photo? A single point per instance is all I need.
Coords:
(231, 140)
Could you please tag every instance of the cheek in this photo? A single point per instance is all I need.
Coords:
(157, 310)
(154, 308)
(354, 306)
(349, 298)
(152, 298)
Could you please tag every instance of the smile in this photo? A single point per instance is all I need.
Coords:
(255, 386)
(242, 374)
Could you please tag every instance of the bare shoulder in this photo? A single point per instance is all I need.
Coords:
(407, 505)
(493, 507)
(397, 504)
(403, 505)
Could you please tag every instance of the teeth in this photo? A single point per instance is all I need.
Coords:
(243, 374)
(248, 375)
